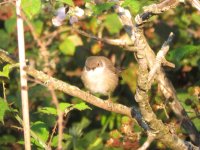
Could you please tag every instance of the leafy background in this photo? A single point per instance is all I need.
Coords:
(88, 127)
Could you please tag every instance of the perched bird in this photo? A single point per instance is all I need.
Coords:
(99, 75)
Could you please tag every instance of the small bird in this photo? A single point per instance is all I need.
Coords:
(99, 75)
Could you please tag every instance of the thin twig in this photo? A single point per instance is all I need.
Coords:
(160, 57)
(60, 117)
(52, 134)
(43, 50)
(117, 42)
(150, 138)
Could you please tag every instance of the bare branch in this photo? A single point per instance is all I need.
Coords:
(44, 53)
(150, 138)
(116, 42)
(160, 57)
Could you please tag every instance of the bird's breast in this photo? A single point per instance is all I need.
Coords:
(100, 80)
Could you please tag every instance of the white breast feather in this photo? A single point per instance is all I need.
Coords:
(96, 81)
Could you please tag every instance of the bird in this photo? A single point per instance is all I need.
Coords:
(99, 75)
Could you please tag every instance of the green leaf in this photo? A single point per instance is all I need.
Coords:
(48, 110)
(196, 18)
(38, 25)
(10, 25)
(98, 9)
(67, 47)
(6, 71)
(125, 120)
(66, 137)
(113, 24)
(133, 5)
(81, 106)
(178, 54)
(68, 2)
(76, 130)
(115, 134)
(4, 39)
(40, 129)
(4, 107)
(182, 96)
(64, 106)
(197, 123)
(98, 143)
(185, 19)
(31, 7)
(6, 139)
(76, 40)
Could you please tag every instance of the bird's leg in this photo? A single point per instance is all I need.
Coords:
(109, 97)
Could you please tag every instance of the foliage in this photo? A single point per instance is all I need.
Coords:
(4, 108)
(88, 127)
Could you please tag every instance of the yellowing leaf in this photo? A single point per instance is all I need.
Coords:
(96, 48)
(67, 47)
(76, 40)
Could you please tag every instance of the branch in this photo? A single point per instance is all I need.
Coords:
(44, 53)
(117, 42)
(160, 58)
(166, 85)
(147, 143)
(72, 90)
(145, 58)
(75, 91)
(161, 7)
(153, 9)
